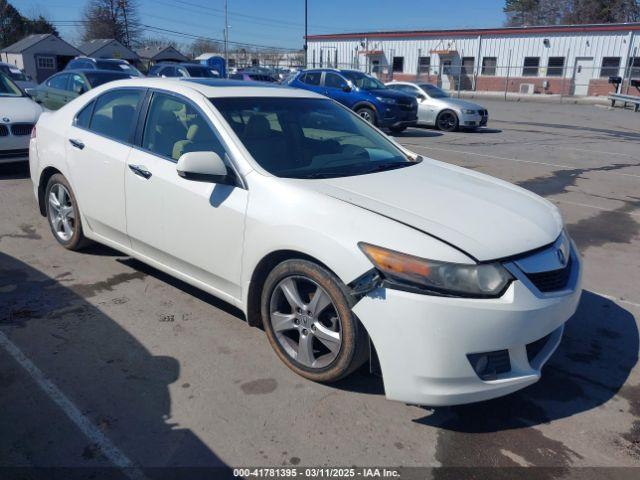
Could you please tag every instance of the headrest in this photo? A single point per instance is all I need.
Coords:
(197, 133)
(258, 126)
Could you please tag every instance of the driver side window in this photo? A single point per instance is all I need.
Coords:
(175, 127)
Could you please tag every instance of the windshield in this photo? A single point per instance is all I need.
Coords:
(308, 138)
(8, 88)
(363, 81)
(98, 78)
(198, 71)
(433, 91)
(14, 73)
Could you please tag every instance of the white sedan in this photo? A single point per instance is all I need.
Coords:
(437, 108)
(18, 115)
(320, 228)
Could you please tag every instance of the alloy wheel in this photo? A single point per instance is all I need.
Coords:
(366, 114)
(61, 213)
(305, 322)
(447, 121)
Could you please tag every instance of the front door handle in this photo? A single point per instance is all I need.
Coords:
(76, 143)
(141, 171)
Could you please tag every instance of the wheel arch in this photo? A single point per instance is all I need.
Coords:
(260, 273)
(46, 174)
(367, 104)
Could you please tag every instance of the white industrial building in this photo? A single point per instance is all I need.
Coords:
(566, 59)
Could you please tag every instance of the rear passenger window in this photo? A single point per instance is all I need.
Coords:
(175, 127)
(115, 113)
(84, 117)
(311, 78)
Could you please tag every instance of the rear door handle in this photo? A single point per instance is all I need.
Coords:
(76, 143)
(141, 171)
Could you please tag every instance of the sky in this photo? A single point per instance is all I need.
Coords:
(280, 23)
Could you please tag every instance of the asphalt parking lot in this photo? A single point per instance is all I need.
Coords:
(169, 376)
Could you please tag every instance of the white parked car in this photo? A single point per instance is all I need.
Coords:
(319, 227)
(18, 115)
(437, 108)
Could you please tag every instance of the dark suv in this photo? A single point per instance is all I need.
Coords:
(364, 94)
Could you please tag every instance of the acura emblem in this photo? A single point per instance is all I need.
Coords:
(6, 119)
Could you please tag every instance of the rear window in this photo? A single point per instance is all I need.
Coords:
(98, 78)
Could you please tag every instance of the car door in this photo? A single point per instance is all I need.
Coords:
(334, 87)
(77, 86)
(311, 81)
(99, 144)
(195, 228)
(54, 91)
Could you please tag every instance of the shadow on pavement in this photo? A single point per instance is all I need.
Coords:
(591, 365)
(119, 385)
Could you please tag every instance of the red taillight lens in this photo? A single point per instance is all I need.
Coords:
(33, 132)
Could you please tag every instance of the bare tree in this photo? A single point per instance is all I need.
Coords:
(551, 12)
(116, 19)
(204, 45)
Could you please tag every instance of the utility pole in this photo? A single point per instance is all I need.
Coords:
(226, 39)
(306, 46)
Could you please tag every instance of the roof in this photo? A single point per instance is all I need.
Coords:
(541, 29)
(27, 42)
(152, 51)
(212, 88)
(94, 45)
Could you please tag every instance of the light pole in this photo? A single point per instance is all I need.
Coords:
(306, 46)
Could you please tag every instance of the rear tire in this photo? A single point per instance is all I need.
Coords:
(324, 345)
(368, 114)
(447, 121)
(63, 214)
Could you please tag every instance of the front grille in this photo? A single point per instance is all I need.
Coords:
(488, 365)
(4, 131)
(18, 153)
(534, 348)
(552, 280)
(21, 128)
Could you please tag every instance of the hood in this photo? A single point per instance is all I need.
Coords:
(460, 103)
(390, 93)
(19, 110)
(485, 217)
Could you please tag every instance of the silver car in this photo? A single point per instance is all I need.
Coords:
(437, 108)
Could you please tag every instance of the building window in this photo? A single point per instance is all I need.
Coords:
(424, 64)
(531, 65)
(467, 65)
(398, 64)
(610, 67)
(634, 65)
(489, 65)
(555, 66)
(46, 63)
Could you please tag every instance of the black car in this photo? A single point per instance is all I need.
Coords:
(114, 64)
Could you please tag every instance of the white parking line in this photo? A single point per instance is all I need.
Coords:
(512, 159)
(107, 448)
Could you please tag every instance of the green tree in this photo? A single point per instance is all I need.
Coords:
(14, 26)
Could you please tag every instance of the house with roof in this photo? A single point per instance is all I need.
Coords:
(150, 55)
(108, 48)
(39, 55)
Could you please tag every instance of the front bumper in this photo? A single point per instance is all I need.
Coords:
(474, 120)
(397, 116)
(423, 341)
(13, 148)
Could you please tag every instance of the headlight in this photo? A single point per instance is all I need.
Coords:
(388, 101)
(454, 279)
(469, 112)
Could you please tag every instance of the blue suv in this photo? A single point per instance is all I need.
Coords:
(364, 94)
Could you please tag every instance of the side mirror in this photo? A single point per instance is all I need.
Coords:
(203, 167)
(421, 98)
(347, 88)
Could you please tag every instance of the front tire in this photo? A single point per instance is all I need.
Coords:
(447, 121)
(63, 214)
(368, 114)
(306, 311)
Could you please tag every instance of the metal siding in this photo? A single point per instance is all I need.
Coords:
(569, 45)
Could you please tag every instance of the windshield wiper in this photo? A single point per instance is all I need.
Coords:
(382, 166)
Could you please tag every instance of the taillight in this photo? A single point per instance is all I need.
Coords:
(33, 132)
